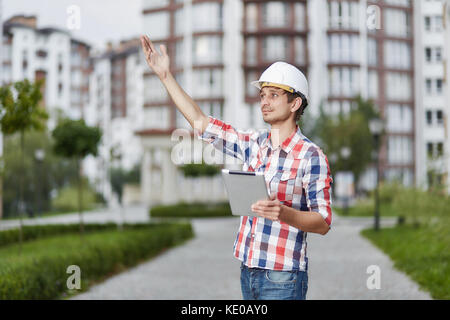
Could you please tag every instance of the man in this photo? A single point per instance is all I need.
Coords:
(271, 245)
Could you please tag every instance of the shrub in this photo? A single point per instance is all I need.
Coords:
(11, 236)
(192, 210)
(67, 199)
(417, 206)
(40, 271)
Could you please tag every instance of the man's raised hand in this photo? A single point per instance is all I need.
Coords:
(158, 62)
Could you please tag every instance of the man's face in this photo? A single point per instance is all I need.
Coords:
(274, 105)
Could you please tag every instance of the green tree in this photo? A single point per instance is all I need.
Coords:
(333, 133)
(75, 140)
(40, 176)
(195, 170)
(21, 112)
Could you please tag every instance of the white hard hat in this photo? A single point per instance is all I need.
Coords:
(285, 76)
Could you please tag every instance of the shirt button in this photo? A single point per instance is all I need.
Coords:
(253, 235)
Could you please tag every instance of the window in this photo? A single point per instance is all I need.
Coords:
(251, 17)
(428, 54)
(428, 86)
(275, 14)
(434, 23)
(60, 89)
(398, 86)
(299, 43)
(343, 15)
(399, 118)
(41, 54)
(251, 51)
(179, 53)
(397, 23)
(300, 21)
(397, 54)
(157, 117)
(156, 25)
(214, 109)
(180, 21)
(438, 26)
(275, 48)
(440, 149)
(343, 48)
(207, 17)
(371, 52)
(430, 149)
(438, 54)
(400, 150)
(372, 87)
(429, 117)
(427, 23)
(209, 83)
(439, 86)
(152, 4)
(24, 62)
(207, 50)
(439, 117)
(344, 82)
(154, 90)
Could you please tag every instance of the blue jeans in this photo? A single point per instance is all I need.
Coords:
(263, 284)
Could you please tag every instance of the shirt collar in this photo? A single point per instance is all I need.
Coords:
(287, 144)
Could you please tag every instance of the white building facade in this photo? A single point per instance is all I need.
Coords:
(446, 19)
(435, 107)
(117, 109)
(357, 47)
(52, 54)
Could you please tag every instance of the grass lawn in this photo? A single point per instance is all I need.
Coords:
(421, 252)
(366, 208)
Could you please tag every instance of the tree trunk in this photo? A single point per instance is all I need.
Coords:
(122, 214)
(21, 200)
(80, 197)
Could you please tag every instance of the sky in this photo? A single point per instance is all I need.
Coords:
(100, 20)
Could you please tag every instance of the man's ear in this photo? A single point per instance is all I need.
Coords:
(297, 103)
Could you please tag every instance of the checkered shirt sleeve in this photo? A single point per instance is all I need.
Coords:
(227, 139)
(317, 182)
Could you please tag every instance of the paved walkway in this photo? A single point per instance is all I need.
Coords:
(204, 267)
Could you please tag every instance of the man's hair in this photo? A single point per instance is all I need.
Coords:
(301, 110)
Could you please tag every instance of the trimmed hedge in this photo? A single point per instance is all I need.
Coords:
(39, 272)
(191, 210)
(11, 236)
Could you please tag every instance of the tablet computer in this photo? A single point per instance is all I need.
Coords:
(244, 189)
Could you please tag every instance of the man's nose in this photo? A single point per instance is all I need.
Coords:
(264, 101)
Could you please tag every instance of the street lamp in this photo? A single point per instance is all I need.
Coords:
(376, 127)
(39, 155)
(345, 154)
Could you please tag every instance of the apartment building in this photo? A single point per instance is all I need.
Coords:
(52, 54)
(433, 102)
(376, 61)
(217, 47)
(116, 107)
(446, 19)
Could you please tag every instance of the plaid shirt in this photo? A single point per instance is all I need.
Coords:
(297, 171)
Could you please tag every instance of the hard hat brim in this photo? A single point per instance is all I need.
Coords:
(258, 84)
